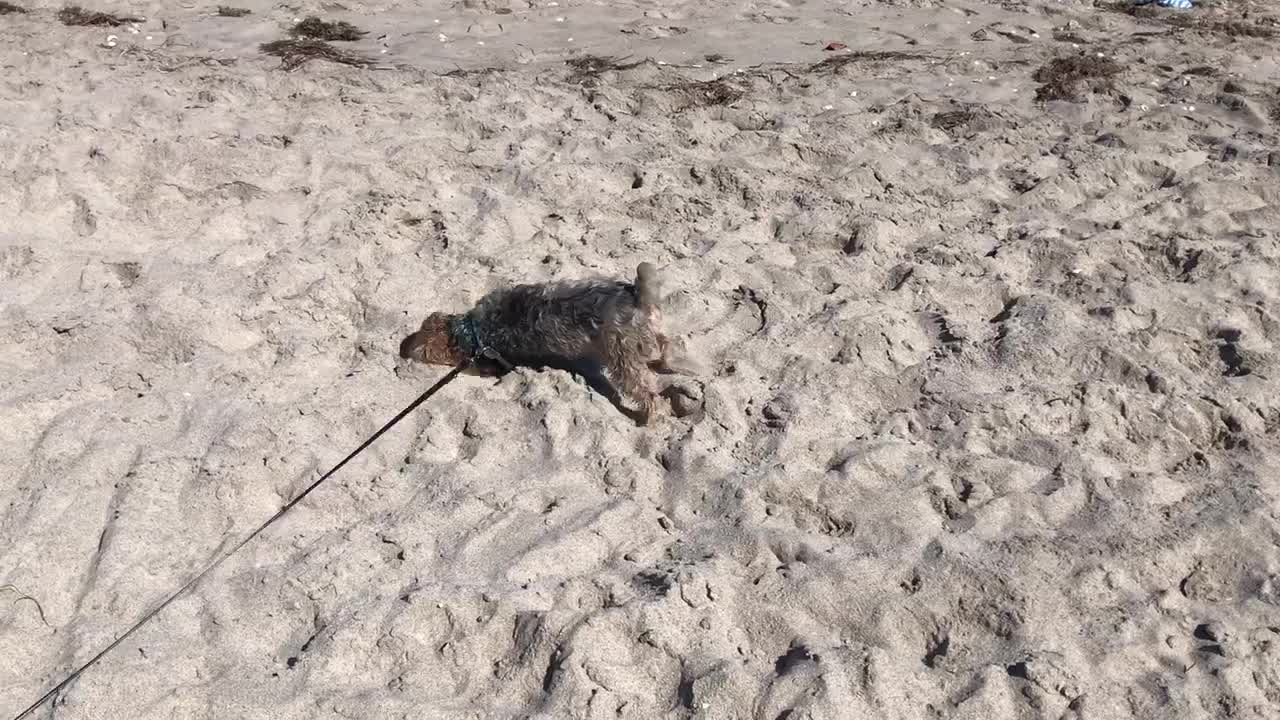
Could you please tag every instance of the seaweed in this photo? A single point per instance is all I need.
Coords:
(705, 93)
(836, 63)
(78, 16)
(314, 28)
(1066, 78)
(587, 69)
(295, 53)
(1234, 29)
(951, 119)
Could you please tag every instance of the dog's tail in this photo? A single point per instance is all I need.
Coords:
(647, 285)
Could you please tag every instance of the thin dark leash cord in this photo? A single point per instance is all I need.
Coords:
(221, 558)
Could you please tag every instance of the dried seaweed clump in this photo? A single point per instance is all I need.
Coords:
(228, 11)
(1261, 27)
(1237, 28)
(705, 93)
(76, 15)
(952, 119)
(316, 29)
(587, 69)
(295, 53)
(8, 7)
(1066, 78)
(835, 63)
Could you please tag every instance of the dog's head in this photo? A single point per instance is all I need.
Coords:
(432, 343)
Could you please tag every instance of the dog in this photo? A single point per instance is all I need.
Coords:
(610, 324)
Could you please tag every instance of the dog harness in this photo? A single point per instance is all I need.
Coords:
(463, 331)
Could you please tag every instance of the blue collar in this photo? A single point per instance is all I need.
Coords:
(465, 334)
(462, 328)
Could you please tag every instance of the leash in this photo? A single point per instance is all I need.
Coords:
(279, 514)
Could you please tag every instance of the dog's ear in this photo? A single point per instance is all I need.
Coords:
(435, 322)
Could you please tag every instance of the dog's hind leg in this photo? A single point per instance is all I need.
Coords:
(627, 364)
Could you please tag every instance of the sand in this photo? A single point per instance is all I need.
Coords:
(990, 426)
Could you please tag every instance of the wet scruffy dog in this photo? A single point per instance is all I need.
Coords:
(612, 324)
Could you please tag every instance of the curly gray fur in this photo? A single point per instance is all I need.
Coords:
(528, 323)
(617, 324)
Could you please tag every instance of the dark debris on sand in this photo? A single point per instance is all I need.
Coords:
(76, 15)
(1067, 78)
(835, 63)
(705, 93)
(232, 12)
(587, 69)
(966, 121)
(1261, 27)
(295, 53)
(314, 28)
(460, 72)
(7, 8)
(1233, 28)
(952, 119)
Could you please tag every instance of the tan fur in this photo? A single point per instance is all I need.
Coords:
(430, 343)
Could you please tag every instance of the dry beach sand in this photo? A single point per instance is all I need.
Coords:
(990, 427)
